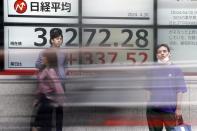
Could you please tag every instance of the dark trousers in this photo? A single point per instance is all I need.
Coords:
(157, 119)
(59, 118)
(43, 118)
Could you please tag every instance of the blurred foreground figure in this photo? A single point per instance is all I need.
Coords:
(166, 85)
(51, 64)
(50, 94)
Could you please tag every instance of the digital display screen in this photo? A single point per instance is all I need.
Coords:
(83, 43)
(177, 12)
(131, 12)
(118, 45)
(99, 45)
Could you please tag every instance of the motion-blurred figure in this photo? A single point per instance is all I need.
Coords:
(52, 64)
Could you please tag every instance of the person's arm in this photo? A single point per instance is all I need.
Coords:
(178, 111)
(40, 76)
(53, 77)
(65, 59)
(181, 88)
(39, 62)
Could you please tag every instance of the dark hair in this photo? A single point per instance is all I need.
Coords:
(54, 33)
(164, 45)
(51, 57)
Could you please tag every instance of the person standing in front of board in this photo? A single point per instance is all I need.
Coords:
(166, 86)
(56, 40)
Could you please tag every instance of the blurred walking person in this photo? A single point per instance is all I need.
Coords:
(50, 94)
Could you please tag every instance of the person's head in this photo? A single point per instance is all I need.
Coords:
(163, 53)
(56, 37)
(50, 58)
